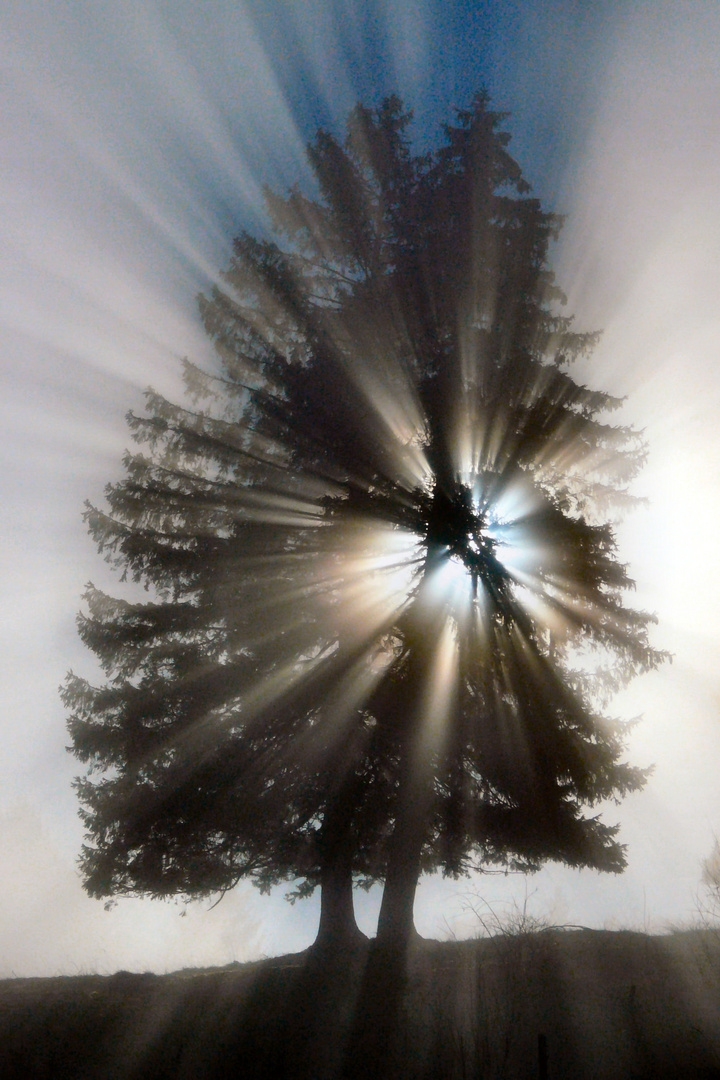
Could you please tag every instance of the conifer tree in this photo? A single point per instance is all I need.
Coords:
(387, 613)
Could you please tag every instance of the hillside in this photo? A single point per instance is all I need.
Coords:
(591, 1004)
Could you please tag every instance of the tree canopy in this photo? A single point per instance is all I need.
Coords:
(386, 614)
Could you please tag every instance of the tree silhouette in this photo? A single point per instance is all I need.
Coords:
(386, 612)
(709, 897)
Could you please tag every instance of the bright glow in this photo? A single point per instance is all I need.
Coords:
(451, 581)
(436, 702)
(382, 563)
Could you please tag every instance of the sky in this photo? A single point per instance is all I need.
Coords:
(135, 140)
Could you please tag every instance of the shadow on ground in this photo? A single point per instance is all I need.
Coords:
(573, 1004)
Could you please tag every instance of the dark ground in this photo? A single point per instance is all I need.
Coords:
(600, 1005)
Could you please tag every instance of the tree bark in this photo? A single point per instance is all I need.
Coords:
(372, 1048)
(396, 928)
(337, 914)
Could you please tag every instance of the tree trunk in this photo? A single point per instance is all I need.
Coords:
(337, 914)
(372, 1048)
(396, 928)
(395, 923)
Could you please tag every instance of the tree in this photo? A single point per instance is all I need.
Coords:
(380, 546)
(709, 897)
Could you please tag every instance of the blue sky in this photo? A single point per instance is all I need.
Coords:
(135, 138)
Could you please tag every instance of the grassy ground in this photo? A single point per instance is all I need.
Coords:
(592, 1004)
